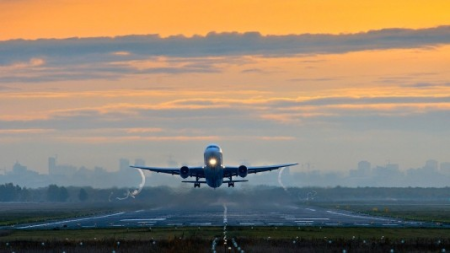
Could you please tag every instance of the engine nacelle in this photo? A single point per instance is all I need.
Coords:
(184, 172)
(242, 171)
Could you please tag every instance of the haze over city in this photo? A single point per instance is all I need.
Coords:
(308, 82)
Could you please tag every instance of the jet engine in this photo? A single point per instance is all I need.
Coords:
(242, 171)
(184, 172)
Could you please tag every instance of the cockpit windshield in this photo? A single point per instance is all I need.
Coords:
(212, 146)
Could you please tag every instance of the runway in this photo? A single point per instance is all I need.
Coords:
(230, 214)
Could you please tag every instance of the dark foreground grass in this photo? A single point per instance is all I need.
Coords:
(258, 239)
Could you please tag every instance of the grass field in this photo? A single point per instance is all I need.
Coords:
(211, 232)
(256, 239)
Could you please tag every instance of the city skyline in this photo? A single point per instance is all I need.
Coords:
(364, 174)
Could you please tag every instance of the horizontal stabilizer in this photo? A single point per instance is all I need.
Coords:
(200, 182)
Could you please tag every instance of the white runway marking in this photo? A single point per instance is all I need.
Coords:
(357, 216)
(225, 210)
(92, 226)
(201, 224)
(313, 219)
(310, 209)
(149, 219)
(67, 221)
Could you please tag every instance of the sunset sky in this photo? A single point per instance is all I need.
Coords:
(327, 83)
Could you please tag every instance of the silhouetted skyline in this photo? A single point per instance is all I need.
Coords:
(430, 174)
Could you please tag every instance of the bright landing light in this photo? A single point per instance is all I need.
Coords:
(212, 162)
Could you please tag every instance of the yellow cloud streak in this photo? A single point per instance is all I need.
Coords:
(37, 19)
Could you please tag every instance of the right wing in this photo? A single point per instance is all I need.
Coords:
(193, 171)
(256, 169)
(233, 170)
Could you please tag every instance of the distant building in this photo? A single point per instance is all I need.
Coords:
(51, 165)
(60, 170)
(445, 168)
(363, 170)
(19, 169)
(431, 165)
(393, 167)
(387, 172)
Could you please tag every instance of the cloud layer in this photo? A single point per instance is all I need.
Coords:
(219, 44)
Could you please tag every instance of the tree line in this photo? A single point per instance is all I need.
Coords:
(245, 194)
(53, 193)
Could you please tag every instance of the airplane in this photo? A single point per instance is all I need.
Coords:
(214, 171)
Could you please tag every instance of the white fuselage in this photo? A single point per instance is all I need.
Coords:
(213, 166)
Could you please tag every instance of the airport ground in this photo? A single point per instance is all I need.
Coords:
(361, 227)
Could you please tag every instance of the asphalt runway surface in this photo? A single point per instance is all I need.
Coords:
(231, 215)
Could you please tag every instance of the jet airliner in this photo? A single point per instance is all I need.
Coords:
(214, 172)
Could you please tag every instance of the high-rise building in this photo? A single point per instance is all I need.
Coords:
(51, 165)
(364, 168)
(431, 165)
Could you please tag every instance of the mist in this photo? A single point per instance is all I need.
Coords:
(364, 174)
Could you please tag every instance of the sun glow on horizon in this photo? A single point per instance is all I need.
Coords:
(48, 19)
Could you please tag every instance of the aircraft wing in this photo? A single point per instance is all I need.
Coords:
(255, 169)
(194, 171)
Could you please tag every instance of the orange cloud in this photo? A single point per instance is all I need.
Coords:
(25, 131)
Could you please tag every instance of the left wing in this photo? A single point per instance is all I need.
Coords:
(233, 171)
(193, 171)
